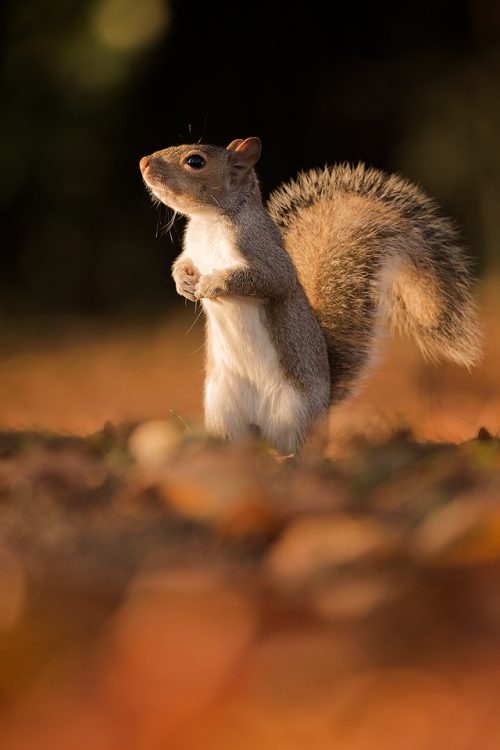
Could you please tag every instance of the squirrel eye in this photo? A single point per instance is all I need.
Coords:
(195, 161)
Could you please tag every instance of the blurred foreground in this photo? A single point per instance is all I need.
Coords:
(159, 590)
(162, 590)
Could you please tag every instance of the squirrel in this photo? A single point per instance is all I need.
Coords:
(297, 293)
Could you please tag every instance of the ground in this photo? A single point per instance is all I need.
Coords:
(159, 589)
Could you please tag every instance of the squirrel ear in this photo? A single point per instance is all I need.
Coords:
(245, 156)
(234, 144)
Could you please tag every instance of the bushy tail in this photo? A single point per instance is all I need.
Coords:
(369, 248)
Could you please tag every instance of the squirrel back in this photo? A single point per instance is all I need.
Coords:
(371, 249)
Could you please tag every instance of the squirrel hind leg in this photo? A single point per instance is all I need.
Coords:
(283, 419)
(227, 408)
(232, 412)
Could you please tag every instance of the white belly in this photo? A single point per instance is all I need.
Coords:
(238, 337)
(245, 383)
(239, 341)
(208, 245)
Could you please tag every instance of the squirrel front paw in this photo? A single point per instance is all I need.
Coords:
(186, 277)
(209, 285)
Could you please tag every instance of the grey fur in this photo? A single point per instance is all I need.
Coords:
(370, 247)
(270, 275)
(336, 254)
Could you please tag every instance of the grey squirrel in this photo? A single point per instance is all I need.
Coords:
(296, 293)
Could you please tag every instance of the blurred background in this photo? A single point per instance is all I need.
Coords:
(87, 88)
(156, 590)
(90, 87)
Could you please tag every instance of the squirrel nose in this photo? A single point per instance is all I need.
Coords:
(144, 164)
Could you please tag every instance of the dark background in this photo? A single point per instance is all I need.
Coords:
(87, 88)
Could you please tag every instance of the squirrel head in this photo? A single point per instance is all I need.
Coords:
(197, 179)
